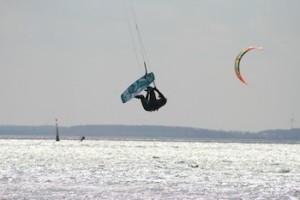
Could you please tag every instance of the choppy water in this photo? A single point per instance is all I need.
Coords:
(44, 169)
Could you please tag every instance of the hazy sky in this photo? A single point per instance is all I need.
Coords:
(72, 59)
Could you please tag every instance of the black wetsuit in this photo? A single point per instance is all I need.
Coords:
(150, 102)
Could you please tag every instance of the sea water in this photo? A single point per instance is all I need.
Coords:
(104, 169)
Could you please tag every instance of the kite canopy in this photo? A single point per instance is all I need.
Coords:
(238, 60)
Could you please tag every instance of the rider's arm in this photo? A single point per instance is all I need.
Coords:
(160, 94)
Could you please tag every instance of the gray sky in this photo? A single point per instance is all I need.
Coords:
(72, 59)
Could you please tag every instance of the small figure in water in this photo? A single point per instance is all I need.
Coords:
(82, 138)
(150, 102)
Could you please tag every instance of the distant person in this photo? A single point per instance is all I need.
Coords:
(82, 138)
(150, 102)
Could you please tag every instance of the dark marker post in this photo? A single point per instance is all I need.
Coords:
(57, 133)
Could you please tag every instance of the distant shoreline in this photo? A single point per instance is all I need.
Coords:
(149, 133)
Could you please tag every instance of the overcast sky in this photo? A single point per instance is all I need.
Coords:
(72, 59)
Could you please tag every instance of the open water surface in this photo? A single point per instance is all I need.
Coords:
(103, 169)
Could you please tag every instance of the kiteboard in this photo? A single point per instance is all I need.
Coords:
(138, 86)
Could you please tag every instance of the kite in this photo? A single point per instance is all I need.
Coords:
(238, 60)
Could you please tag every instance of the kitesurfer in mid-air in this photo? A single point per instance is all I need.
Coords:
(150, 102)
